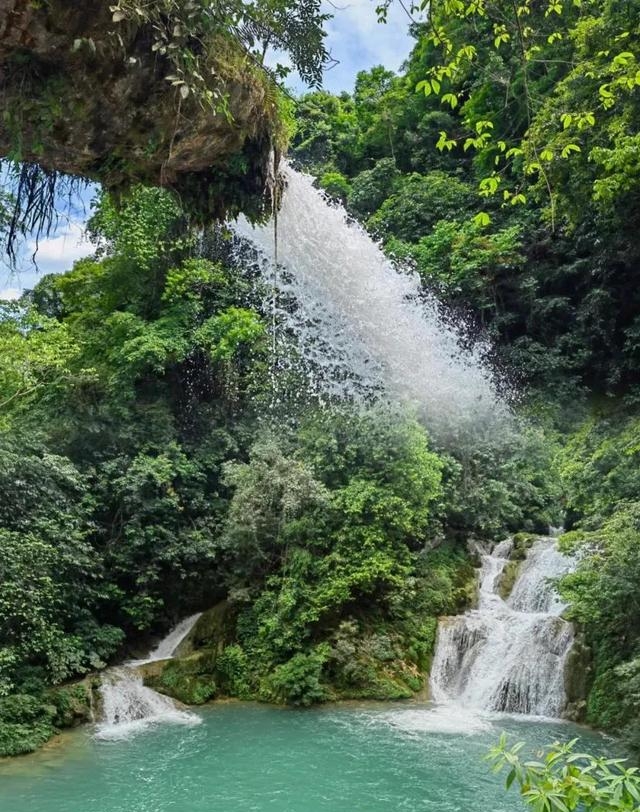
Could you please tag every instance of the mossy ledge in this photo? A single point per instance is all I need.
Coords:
(27, 722)
(361, 660)
(82, 98)
(365, 655)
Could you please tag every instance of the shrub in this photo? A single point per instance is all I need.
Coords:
(297, 682)
(566, 781)
(26, 723)
(232, 670)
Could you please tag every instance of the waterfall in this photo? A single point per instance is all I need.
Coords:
(129, 706)
(167, 647)
(508, 656)
(362, 325)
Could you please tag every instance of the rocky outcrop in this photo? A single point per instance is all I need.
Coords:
(83, 95)
(199, 669)
(578, 678)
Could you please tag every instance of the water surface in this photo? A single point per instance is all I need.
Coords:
(250, 757)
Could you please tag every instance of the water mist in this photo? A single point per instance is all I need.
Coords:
(363, 325)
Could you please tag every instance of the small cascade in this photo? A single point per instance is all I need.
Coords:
(130, 707)
(167, 647)
(532, 591)
(508, 656)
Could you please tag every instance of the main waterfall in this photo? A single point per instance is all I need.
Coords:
(360, 323)
(128, 706)
(508, 655)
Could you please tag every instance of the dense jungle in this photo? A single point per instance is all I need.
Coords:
(170, 446)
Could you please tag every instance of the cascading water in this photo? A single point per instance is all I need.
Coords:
(129, 706)
(361, 323)
(167, 647)
(508, 656)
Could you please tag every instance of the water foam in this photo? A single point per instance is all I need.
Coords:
(508, 656)
(447, 717)
(129, 707)
(361, 324)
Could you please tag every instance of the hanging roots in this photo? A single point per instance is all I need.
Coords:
(38, 198)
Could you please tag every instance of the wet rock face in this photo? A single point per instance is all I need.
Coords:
(85, 96)
(578, 678)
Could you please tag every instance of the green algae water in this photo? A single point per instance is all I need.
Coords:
(245, 757)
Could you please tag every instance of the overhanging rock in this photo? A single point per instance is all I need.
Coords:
(83, 95)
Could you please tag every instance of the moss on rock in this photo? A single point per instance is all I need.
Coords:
(85, 96)
(27, 722)
(578, 677)
(508, 578)
(190, 680)
(72, 703)
(215, 628)
(522, 542)
(379, 661)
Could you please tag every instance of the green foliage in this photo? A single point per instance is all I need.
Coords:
(599, 465)
(298, 681)
(25, 724)
(27, 721)
(565, 780)
(36, 355)
(175, 25)
(121, 373)
(335, 185)
(233, 672)
(146, 227)
(418, 202)
(600, 472)
(513, 486)
(47, 569)
(371, 188)
(272, 495)
(377, 662)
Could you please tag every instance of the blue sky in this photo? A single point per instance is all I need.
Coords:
(355, 40)
(358, 41)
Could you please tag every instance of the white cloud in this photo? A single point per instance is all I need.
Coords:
(55, 254)
(10, 294)
(58, 253)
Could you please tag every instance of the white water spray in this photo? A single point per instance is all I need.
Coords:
(130, 707)
(363, 324)
(168, 646)
(508, 656)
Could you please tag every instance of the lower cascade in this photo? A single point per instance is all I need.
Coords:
(129, 706)
(508, 655)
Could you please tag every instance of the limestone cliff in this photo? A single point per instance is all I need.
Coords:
(83, 95)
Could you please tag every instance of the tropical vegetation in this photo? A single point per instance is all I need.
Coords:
(147, 472)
